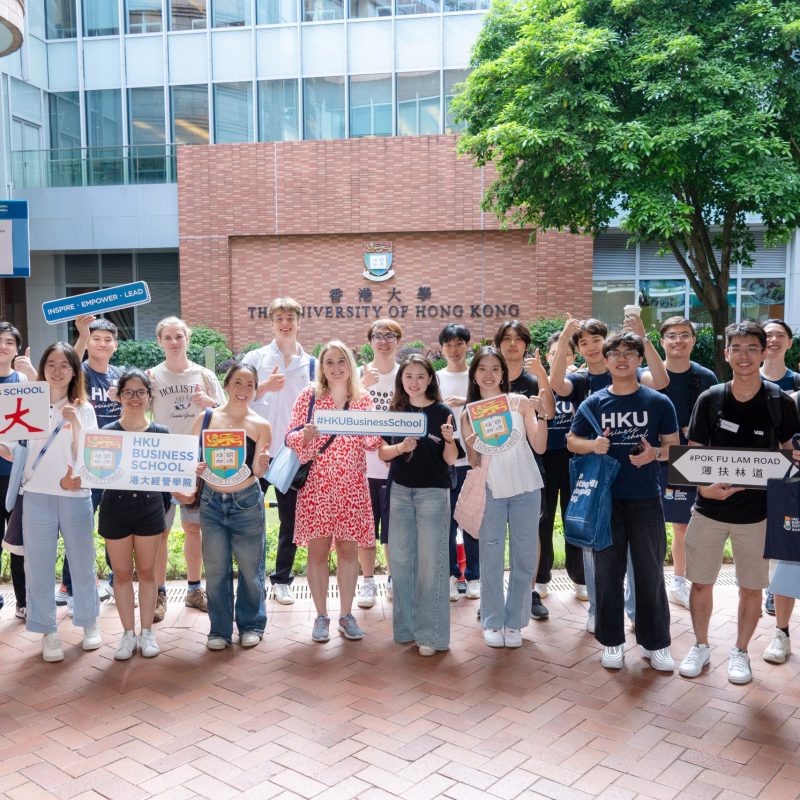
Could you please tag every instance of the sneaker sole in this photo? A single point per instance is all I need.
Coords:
(693, 674)
(540, 616)
(453, 599)
(53, 659)
(150, 654)
(92, 646)
(740, 681)
(350, 636)
(513, 646)
(614, 665)
(776, 659)
(216, 645)
(124, 656)
(320, 639)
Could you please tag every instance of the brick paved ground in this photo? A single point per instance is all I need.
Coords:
(371, 719)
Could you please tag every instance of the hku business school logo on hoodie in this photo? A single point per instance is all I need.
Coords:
(627, 427)
(378, 261)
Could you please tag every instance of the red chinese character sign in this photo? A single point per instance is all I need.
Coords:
(24, 411)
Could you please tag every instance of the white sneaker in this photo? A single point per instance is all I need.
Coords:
(590, 623)
(678, 593)
(513, 637)
(389, 589)
(453, 589)
(249, 639)
(216, 643)
(581, 593)
(739, 671)
(613, 657)
(473, 590)
(70, 607)
(694, 661)
(127, 646)
(283, 593)
(105, 591)
(91, 637)
(659, 659)
(366, 594)
(543, 589)
(51, 648)
(148, 644)
(426, 650)
(778, 648)
(493, 637)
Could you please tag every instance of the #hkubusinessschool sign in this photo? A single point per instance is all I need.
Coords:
(370, 423)
(97, 302)
(702, 466)
(15, 254)
(149, 462)
(24, 411)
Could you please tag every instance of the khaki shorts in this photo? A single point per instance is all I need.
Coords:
(187, 515)
(705, 543)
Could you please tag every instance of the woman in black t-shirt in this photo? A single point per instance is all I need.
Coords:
(420, 511)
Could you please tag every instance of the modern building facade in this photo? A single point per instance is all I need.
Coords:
(226, 151)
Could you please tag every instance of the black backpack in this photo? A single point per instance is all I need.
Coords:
(774, 409)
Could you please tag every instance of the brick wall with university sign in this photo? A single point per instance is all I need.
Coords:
(360, 229)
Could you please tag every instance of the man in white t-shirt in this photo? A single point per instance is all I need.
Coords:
(284, 370)
(453, 382)
(378, 378)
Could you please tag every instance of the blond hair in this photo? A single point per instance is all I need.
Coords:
(284, 304)
(354, 389)
(169, 322)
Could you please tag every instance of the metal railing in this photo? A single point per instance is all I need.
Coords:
(94, 166)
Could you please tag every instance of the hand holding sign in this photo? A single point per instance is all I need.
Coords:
(718, 491)
(602, 443)
(82, 324)
(448, 431)
(70, 482)
(310, 432)
(408, 445)
(274, 383)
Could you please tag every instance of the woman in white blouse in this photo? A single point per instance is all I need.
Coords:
(54, 500)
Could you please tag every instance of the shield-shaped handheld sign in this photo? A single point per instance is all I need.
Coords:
(102, 456)
(492, 424)
(225, 453)
(378, 261)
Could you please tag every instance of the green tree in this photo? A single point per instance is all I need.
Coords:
(679, 117)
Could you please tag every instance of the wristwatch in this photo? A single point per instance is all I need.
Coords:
(658, 454)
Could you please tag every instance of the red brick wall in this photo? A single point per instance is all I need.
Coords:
(293, 218)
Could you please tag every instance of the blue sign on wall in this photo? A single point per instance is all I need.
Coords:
(124, 296)
(15, 254)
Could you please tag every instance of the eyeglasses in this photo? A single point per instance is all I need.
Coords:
(129, 394)
(750, 350)
(58, 368)
(625, 355)
(384, 337)
(678, 337)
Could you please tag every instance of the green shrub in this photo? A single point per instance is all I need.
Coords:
(542, 328)
(201, 338)
(142, 353)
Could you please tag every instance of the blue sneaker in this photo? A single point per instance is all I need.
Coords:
(321, 630)
(349, 627)
(769, 604)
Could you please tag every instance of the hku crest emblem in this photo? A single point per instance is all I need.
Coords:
(102, 456)
(225, 454)
(378, 261)
(491, 423)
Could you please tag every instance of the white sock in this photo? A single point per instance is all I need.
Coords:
(678, 580)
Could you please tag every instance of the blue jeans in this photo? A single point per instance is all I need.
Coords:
(472, 570)
(418, 555)
(521, 514)
(233, 524)
(630, 585)
(42, 516)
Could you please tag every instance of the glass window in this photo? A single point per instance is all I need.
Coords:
(144, 16)
(100, 18)
(370, 105)
(466, 5)
(60, 19)
(609, 299)
(418, 6)
(147, 135)
(763, 298)
(104, 136)
(187, 15)
(231, 13)
(65, 120)
(452, 78)
(277, 111)
(698, 313)
(322, 10)
(660, 300)
(276, 12)
(370, 8)
(233, 112)
(323, 108)
(190, 114)
(418, 103)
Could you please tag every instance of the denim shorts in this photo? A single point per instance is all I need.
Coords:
(123, 513)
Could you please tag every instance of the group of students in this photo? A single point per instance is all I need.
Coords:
(402, 491)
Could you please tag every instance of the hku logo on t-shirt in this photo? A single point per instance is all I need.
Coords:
(627, 427)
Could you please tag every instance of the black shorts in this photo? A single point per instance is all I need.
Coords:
(123, 513)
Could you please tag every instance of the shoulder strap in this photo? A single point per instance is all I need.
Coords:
(796, 381)
(47, 444)
(716, 395)
(580, 387)
(312, 369)
(207, 414)
(695, 382)
(775, 411)
(592, 421)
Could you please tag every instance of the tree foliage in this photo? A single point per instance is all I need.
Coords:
(679, 117)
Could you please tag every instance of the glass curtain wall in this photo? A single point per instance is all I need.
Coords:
(323, 108)
(277, 111)
(104, 136)
(370, 105)
(230, 13)
(276, 12)
(452, 78)
(143, 16)
(147, 135)
(100, 18)
(322, 10)
(418, 97)
(370, 8)
(233, 112)
(187, 15)
(190, 114)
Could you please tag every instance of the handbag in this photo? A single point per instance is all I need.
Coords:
(195, 504)
(286, 463)
(587, 521)
(471, 502)
(783, 518)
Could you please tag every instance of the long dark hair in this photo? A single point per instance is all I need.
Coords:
(400, 401)
(473, 392)
(76, 391)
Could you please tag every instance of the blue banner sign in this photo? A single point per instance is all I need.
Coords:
(15, 254)
(125, 296)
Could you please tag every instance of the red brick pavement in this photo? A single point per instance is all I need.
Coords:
(372, 719)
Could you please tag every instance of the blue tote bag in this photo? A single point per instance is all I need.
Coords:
(588, 516)
(783, 519)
